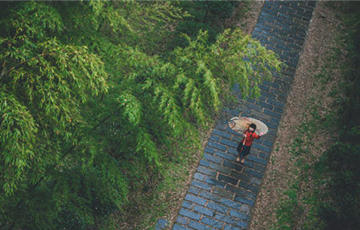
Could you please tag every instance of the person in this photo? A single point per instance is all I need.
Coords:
(245, 144)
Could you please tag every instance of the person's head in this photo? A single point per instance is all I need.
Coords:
(252, 127)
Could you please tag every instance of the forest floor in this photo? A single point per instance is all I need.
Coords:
(322, 36)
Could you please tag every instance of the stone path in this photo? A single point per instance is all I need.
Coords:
(223, 192)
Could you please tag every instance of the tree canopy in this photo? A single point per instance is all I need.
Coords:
(91, 90)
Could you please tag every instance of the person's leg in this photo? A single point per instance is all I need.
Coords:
(239, 149)
(244, 153)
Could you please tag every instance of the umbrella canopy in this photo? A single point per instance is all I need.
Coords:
(240, 124)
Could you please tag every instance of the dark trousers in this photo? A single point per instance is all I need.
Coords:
(243, 150)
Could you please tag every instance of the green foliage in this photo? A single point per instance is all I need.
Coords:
(339, 164)
(18, 134)
(203, 15)
(93, 102)
(245, 61)
(289, 211)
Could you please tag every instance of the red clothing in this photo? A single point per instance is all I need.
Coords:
(250, 136)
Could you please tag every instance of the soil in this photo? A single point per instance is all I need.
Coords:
(321, 37)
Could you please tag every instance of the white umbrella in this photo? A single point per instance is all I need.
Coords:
(240, 124)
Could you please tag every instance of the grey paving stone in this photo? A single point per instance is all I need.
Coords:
(244, 201)
(210, 196)
(227, 179)
(261, 147)
(230, 157)
(214, 138)
(258, 160)
(182, 220)
(229, 143)
(264, 156)
(161, 224)
(206, 171)
(245, 209)
(230, 203)
(187, 204)
(233, 151)
(268, 143)
(220, 168)
(198, 226)
(252, 172)
(179, 227)
(236, 190)
(216, 145)
(190, 214)
(195, 199)
(265, 105)
(238, 214)
(271, 113)
(233, 165)
(254, 180)
(203, 210)
(221, 192)
(231, 227)
(214, 223)
(248, 164)
(204, 163)
(216, 183)
(252, 188)
(200, 176)
(229, 220)
(212, 158)
(209, 149)
(221, 134)
(201, 185)
(217, 207)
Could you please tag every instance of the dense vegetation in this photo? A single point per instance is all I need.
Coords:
(325, 195)
(93, 96)
(340, 204)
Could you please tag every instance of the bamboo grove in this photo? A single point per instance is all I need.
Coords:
(90, 91)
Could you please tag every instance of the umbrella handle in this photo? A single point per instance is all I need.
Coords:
(243, 144)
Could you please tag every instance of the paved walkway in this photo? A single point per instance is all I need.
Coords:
(223, 192)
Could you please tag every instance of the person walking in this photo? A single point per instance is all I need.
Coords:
(245, 144)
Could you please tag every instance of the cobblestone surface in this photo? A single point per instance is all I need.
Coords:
(223, 192)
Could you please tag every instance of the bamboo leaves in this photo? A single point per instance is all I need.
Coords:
(131, 107)
(91, 98)
(17, 139)
(34, 20)
(169, 108)
(210, 83)
(245, 61)
(147, 146)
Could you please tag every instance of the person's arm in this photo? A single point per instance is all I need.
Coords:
(258, 136)
(244, 134)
